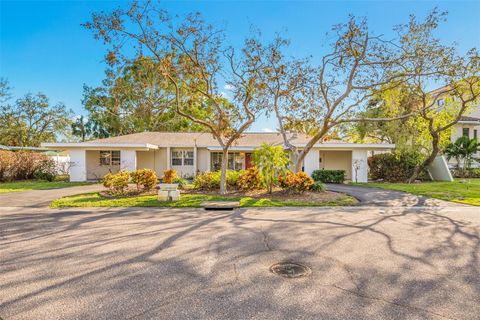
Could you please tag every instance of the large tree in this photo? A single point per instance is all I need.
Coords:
(192, 57)
(135, 97)
(359, 67)
(31, 120)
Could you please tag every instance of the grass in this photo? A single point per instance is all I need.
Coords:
(37, 185)
(188, 200)
(462, 191)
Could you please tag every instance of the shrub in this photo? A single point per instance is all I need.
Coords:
(250, 179)
(296, 182)
(470, 173)
(210, 180)
(117, 183)
(207, 180)
(394, 167)
(272, 161)
(6, 162)
(169, 176)
(329, 176)
(318, 186)
(180, 181)
(146, 178)
(46, 170)
(19, 165)
(474, 173)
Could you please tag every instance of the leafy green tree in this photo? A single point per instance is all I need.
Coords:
(31, 119)
(272, 161)
(134, 98)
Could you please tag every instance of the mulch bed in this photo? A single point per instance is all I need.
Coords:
(277, 194)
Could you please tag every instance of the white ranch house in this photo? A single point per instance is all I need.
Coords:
(192, 152)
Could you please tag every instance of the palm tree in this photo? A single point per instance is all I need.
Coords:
(463, 148)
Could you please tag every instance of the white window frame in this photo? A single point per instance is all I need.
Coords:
(231, 164)
(183, 156)
(109, 157)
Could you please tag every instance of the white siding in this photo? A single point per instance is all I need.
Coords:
(78, 167)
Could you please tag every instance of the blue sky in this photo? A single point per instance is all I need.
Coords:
(43, 48)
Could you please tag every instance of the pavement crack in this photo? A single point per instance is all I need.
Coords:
(407, 306)
(265, 241)
(235, 273)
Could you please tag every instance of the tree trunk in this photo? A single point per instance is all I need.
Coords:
(223, 172)
(429, 160)
(299, 162)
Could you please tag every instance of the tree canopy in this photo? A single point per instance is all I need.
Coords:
(31, 119)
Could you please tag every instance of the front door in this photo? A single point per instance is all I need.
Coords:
(248, 160)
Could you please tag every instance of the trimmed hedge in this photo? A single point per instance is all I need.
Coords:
(329, 176)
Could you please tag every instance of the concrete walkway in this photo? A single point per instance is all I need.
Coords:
(42, 198)
(369, 196)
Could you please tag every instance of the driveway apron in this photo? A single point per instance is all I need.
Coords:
(389, 198)
(42, 198)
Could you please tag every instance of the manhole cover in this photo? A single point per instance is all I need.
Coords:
(290, 270)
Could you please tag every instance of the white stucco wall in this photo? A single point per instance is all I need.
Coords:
(128, 160)
(312, 161)
(203, 159)
(78, 165)
(96, 171)
(337, 160)
(360, 159)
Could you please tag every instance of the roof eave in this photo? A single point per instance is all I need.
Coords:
(97, 146)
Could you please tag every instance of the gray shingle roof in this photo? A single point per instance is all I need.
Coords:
(203, 139)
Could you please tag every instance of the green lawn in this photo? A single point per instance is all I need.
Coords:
(37, 185)
(187, 200)
(463, 191)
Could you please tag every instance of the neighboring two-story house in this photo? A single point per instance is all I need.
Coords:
(469, 124)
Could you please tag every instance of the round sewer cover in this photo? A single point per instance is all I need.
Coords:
(290, 270)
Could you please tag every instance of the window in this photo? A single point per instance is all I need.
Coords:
(235, 161)
(440, 102)
(466, 132)
(188, 158)
(108, 158)
(115, 158)
(177, 157)
(182, 158)
(475, 134)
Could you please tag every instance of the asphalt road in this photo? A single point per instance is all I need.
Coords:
(367, 263)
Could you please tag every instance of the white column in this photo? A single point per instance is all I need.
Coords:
(169, 155)
(359, 166)
(312, 161)
(78, 164)
(195, 161)
(128, 160)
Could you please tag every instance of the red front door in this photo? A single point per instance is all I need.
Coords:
(248, 162)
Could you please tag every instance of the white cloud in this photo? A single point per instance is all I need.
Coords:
(228, 87)
(267, 130)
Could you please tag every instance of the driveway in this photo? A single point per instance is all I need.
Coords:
(369, 196)
(42, 198)
(146, 263)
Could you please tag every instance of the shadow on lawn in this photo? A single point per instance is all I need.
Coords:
(134, 263)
